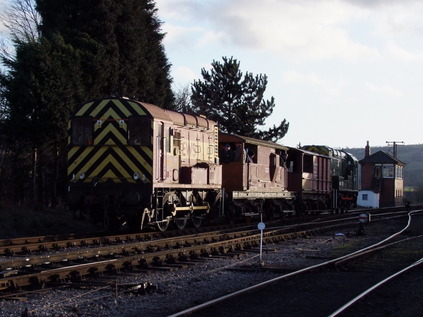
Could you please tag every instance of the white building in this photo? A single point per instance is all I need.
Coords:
(368, 199)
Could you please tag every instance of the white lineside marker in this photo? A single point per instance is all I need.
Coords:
(261, 227)
(363, 218)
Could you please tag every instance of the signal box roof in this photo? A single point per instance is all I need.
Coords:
(381, 158)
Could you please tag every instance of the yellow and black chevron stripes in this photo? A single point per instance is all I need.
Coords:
(110, 133)
(111, 108)
(110, 118)
(109, 158)
(319, 149)
(110, 163)
(69, 132)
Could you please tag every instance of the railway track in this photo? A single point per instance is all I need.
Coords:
(77, 259)
(77, 265)
(337, 287)
(39, 270)
(30, 245)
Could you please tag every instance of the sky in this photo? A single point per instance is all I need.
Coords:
(342, 72)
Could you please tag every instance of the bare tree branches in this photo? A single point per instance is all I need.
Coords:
(183, 99)
(22, 21)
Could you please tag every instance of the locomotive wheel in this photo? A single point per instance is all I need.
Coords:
(180, 222)
(197, 221)
(164, 214)
(162, 221)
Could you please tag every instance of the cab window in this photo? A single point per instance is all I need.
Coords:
(82, 131)
(139, 131)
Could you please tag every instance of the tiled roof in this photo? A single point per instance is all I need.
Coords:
(381, 158)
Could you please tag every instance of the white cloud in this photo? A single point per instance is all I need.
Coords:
(398, 18)
(184, 74)
(326, 86)
(181, 10)
(400, 53)
(177, 35)
(299, 29)
(307, 29)
(187, 36)
(385, 90)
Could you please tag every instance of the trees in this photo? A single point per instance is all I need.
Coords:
(38, 89)
(235, 100)
(67, 52)
(182, 101)
(78, 50)
(118, 43)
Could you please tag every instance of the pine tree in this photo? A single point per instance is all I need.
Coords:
(235, 100)
(39, 89)
(119, 45)
(39, 92)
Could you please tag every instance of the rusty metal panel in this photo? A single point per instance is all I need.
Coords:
(307, 181)
(215, 175)
(193, 175)
(199, 175)
(234, 176)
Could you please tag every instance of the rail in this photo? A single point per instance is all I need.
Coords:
(303, 270)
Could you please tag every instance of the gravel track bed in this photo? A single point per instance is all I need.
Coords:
(182, 288)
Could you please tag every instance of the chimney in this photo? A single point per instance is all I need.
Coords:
(367, 150)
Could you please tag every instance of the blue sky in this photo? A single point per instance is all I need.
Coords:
(342, 72)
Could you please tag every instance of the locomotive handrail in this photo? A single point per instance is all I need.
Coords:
(164, 153)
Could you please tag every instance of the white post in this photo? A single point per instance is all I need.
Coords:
(261, 227)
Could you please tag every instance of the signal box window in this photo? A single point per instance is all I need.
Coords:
(378, 172)
(82, 131)
(139, 131)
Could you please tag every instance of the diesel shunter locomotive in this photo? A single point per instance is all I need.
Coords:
(133, 162)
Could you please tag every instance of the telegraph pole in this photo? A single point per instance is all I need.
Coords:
(394, 146)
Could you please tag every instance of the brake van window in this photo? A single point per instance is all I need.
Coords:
(139, 131)
(82, 131)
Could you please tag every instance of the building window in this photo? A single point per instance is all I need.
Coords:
(388, 171)
(365, 197)
(398, 171)
(378, 173)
